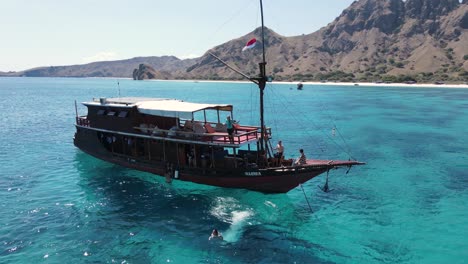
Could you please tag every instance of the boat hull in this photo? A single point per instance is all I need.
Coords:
(271, 180)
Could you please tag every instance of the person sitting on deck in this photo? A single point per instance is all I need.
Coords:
(157, 131)
(215, 235)
(188, 126)
(173, 131)
(302, 160)
(198, 128)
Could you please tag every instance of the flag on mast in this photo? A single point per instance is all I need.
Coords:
(250, 44)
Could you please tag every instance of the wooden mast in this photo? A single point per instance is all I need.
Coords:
(262, 79)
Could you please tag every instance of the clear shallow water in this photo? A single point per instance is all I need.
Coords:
(408, 205)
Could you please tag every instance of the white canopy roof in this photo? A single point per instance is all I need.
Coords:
(177, 108)
(159, 106)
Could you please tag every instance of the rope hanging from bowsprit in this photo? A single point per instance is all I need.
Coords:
(326, 188)
(305, 196)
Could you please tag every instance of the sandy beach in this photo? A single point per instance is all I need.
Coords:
(416, 85)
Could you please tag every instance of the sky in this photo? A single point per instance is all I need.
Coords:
(67, 32)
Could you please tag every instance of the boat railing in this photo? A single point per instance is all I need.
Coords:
(242, 135)
(83, 121)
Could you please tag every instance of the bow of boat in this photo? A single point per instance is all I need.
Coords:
(334, 163)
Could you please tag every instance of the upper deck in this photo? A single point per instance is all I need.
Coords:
(168, 119)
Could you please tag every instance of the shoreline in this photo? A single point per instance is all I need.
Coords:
(354, 84)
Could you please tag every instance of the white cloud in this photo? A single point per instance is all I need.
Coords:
(101, 56)
(189, 56)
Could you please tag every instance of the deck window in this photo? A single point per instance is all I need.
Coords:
(111, 113)
(123, 114)
(101, 112)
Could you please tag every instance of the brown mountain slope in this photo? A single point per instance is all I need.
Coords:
(120, 68)
(370, 39)
(425, 40)
(281, 50)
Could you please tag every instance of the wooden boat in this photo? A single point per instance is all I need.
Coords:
(161, 136)
(300, 86)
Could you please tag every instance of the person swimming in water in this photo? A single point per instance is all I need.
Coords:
(215, 235)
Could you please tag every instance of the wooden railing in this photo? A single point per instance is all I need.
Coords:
(83, 121)
(243, 134)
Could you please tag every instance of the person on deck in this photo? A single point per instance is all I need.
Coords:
(173, 131)
(230, 129)
(279, 152)
(215, 235)
(302, 160)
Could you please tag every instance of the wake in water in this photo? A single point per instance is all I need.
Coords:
(239, 219)
(228, 210)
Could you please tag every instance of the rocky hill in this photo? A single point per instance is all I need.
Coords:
(395, 40)
(11, 73)
(145, 72)
(372, 39)
(120, 68)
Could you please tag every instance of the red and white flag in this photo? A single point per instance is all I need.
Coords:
(250, 44)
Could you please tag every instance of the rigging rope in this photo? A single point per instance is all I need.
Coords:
(306, 198)
(275, 112)
(327, 112)
(298, 112)
(236, 14)
(221, 26)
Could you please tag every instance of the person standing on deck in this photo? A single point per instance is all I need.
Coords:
(279, 152)
(230, 129)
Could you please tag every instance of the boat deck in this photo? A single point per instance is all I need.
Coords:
(207, 134)
(318, 163)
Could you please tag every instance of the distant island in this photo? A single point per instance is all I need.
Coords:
(371, 41)
(147, 72)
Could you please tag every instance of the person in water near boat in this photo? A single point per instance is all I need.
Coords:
(302, 160)
(215, 235)
(279, 152)
(230, 129)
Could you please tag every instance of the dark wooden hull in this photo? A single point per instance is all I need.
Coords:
(268, 180)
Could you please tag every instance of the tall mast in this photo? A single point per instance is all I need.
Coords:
(263, 34)
(262, 79)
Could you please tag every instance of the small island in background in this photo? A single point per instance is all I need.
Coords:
(380, 41)
(146, 72)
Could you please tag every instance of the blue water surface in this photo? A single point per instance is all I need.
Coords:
(409, 204)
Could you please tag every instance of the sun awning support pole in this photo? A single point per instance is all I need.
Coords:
(76, 110)
(148, 145)
(178, 155)
(164, 149)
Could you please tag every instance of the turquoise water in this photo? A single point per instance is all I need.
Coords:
(407, 205)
